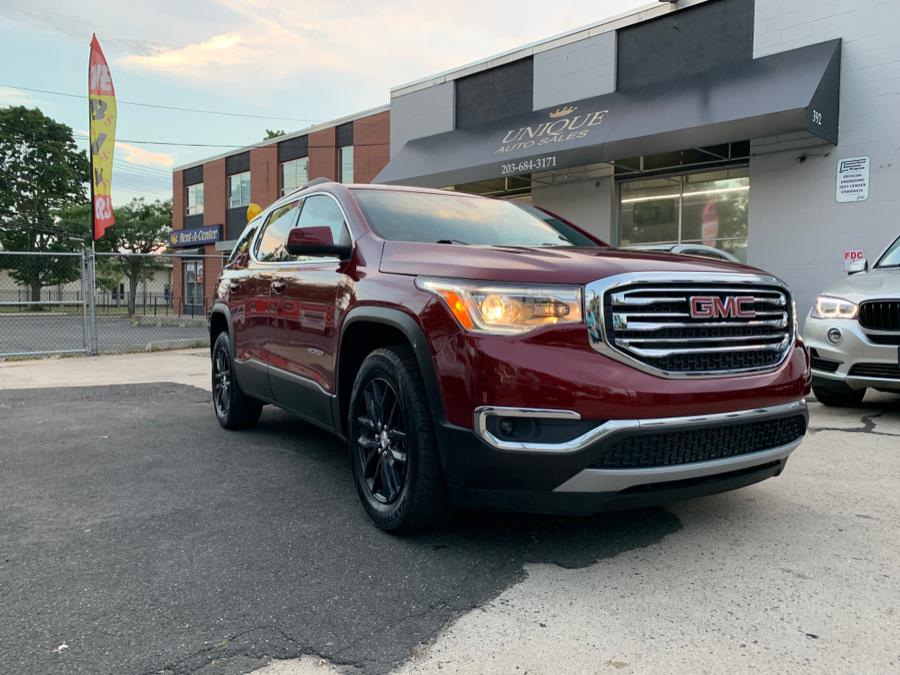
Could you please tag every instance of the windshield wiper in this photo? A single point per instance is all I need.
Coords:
(451, 241)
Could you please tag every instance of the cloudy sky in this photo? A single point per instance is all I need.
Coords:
(305, 62)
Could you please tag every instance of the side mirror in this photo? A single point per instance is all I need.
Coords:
(315, 241)
(858, 266)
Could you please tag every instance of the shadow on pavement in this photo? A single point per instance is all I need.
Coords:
(145, 538)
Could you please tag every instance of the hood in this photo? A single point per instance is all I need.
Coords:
(872, 285)
(537, 265)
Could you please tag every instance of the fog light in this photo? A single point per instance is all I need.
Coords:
(834, 335)
(507, 427)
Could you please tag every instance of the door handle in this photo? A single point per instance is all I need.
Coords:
(279, 285)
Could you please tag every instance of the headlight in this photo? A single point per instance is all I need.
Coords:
(505, 308)
(829, 307)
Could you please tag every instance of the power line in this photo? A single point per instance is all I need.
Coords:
(164, 107)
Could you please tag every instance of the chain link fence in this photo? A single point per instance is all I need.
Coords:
(66, 303)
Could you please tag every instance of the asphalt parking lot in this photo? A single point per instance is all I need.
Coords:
(139, 537)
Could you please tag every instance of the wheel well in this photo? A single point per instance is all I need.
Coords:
(360, 339)
(217, 324)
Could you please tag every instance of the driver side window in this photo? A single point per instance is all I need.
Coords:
(323, 211)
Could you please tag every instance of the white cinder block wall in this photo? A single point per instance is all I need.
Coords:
(796, 228)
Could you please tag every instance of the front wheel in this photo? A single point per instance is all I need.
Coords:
(393, 452)
(839, 398)
(234, 409)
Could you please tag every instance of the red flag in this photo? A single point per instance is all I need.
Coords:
(102, 107)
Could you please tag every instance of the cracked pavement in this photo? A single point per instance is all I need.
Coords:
(139, 537)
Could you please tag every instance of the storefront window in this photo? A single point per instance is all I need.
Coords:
(239, 189)
(294, 174)
(708, 208)
(193, 283)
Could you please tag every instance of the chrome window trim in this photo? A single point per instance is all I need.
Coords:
(611, 427)
(287, 199)
(594, 315)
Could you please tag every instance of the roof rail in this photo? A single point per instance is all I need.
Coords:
(314, 181)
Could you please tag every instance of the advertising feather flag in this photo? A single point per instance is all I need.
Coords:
(102, 106)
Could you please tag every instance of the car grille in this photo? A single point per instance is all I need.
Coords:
(669, 448)
(887, 371)
(653, 325)
(880, 315)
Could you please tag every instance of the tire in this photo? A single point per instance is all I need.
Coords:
(234, 409)
(839, 399)
(393, 451)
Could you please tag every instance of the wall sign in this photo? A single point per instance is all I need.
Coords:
(852, 179)
(853, 255)
(208, 234)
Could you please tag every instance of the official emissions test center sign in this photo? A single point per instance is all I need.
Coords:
(852, 179)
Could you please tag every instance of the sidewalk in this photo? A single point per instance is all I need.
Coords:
(188, 366)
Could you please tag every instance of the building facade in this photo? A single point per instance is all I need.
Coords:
(767, 128)
(210, 197)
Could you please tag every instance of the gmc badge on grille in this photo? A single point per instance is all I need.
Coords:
(714, 307)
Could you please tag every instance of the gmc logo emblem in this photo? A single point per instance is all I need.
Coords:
(714, 307)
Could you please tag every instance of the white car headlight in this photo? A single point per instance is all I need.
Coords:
(830, 307)
(505, 309)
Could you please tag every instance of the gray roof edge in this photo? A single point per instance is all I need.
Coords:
(286, 137)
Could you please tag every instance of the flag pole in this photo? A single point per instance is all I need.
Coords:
(92, 260)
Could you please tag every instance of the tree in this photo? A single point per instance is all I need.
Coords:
(41, 172)
(273, 133)
(142, 228)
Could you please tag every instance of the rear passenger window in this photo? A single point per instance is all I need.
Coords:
(322, 211)
(271, 246)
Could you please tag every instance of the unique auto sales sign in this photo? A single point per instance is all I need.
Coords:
(852, 179)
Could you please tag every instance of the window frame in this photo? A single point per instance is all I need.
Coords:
(284, 190)
(228, 189)
(341, 152)
(302, 199)
(187, 199)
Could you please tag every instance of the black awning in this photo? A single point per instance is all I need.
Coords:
(793, 91)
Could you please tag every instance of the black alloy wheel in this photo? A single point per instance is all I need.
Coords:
(382, 441)
(234, 409)
(222, 383)
(393, 450)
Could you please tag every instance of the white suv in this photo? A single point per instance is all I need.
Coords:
(853, 332)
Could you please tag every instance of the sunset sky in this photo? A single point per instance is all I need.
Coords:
(305, 62)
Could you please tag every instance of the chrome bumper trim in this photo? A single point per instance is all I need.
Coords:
(606, 429)
(615, 480)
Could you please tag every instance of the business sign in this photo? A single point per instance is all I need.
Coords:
(852, 179)
(102, 107)
(198, 236)
(853, 255)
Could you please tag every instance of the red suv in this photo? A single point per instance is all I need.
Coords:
(476, 354)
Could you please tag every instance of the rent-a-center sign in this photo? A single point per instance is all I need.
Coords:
(208, 234)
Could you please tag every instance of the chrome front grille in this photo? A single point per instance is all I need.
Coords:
(692, 325)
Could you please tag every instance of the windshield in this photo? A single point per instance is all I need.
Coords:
(458, 219)
(891, 257)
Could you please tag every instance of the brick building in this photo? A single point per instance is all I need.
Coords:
(210, 197)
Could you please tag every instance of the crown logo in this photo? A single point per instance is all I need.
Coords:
(562, 112)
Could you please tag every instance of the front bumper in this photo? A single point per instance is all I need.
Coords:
(618, 463)
(855, 348)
